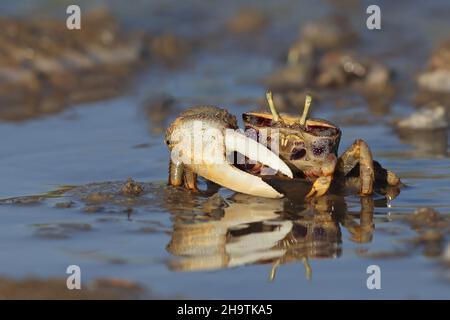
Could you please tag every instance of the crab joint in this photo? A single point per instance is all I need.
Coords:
(269, 97)
(308, 100)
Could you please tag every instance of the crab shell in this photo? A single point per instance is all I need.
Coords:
(310, 150)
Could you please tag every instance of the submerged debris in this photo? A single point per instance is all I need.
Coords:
(247, 20)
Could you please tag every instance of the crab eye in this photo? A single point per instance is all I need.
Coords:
(298, 154)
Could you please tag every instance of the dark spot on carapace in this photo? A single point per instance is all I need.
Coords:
(320, 147)
(318, 151)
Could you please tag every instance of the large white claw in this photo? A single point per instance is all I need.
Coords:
(236, 180)
(214, 166)
(235, 141)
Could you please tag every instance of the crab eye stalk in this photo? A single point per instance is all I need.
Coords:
(269, 97)
(308, 100)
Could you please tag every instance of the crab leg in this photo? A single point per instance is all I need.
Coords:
(190, 179)
(358, 152)
(175, 173)
(362, 232)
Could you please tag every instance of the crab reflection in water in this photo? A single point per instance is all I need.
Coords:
(268, 231)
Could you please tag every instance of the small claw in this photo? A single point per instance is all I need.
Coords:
(320, 186)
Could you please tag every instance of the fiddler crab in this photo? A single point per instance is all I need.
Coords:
(206, 141)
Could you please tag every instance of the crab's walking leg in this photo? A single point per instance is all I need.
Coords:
(175, 173)
(320, 186)
(358, 152)
(362, 232)
(190, 179)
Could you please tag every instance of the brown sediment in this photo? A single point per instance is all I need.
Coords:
(329, 33)
(44, 67)
(60, 230)
(167, 49)
(56, 288)
(158, 109)
(98, 197)
(64, 204)
(247, 20)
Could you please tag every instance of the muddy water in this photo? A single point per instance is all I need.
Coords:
(223, 245)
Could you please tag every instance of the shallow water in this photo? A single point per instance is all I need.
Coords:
(177, 243)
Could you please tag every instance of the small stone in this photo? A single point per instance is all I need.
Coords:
(425, 119)
(426, 218)
(64, 205)
(132, 188)
(92, 209)
(432, 236)
(426, 215)
(247, 21)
